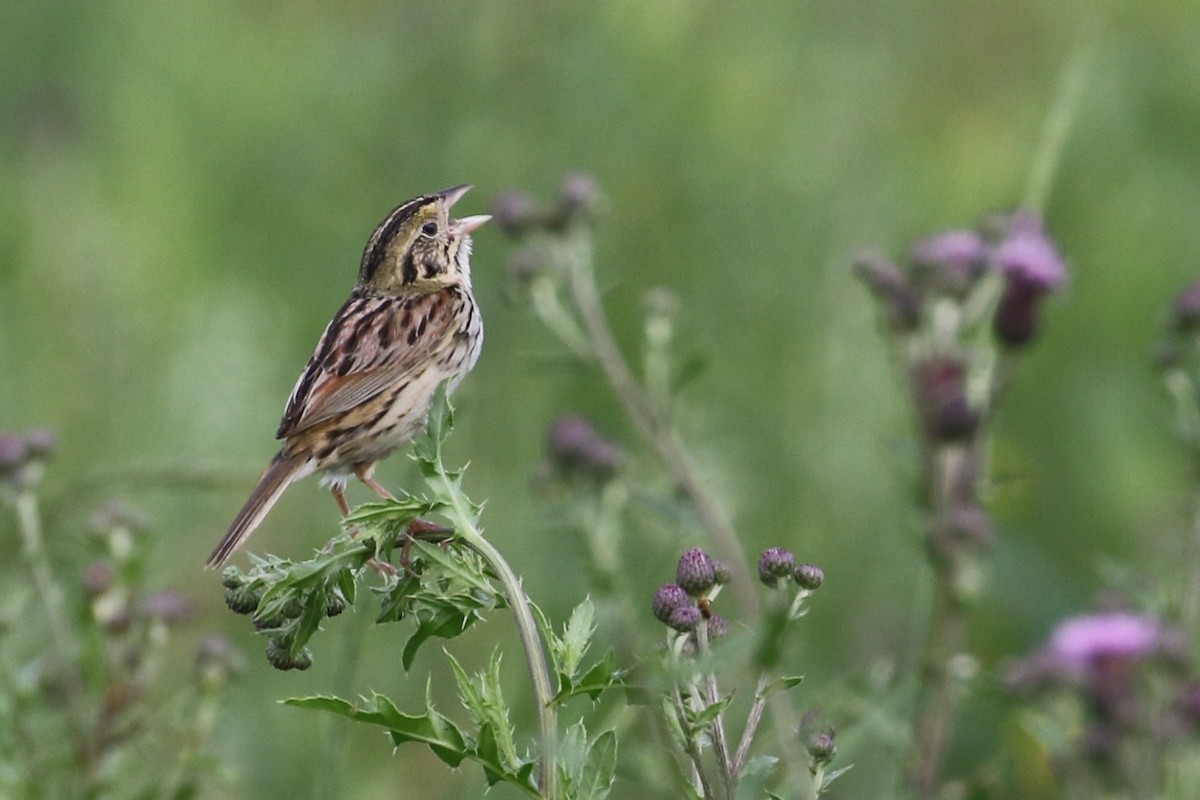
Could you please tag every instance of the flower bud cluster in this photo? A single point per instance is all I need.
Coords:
(22, 455)
(243, 595)
(684, 604)
(777, 567)
(575, 447)
(936, 299)
(517, 214)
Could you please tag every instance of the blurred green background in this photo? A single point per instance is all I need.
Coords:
(186, 188)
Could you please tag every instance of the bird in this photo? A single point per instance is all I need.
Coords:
(411, 323)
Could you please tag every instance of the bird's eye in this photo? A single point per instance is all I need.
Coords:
(429, 229)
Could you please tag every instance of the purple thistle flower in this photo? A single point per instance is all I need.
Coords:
(1080, 643)
(953, 259)
(1028, 256)
(718, 627)
(667, 599)
(809, 576)
(685, 618)
(696, 572)
(1032, 266)
(1185, 313)
(575, 445)
(774, 565)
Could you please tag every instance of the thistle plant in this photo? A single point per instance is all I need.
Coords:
(695, 707)
(442, 579)
(97, 708)
(959, 314)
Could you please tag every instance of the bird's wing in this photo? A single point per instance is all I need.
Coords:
(371, 344)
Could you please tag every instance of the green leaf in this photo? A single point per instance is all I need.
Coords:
(428, 446)
(597, 779)
(431, 728)
(781, 685)
(602, 675)
(445, 622)
(569, 651)
(481, 695)
(700, 721)
(830, 777)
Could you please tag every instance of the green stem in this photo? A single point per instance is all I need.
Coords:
(581, 283)
(1062, 112)
(51, 597)
(527, 629)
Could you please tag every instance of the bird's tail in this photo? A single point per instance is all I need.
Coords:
(282, 472)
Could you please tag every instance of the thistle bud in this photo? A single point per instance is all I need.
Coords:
(1185, 313)
(685, 618)
(231, 577)
(821, 747)
(809, 576)
(667, 599)
(279, 656)
(953, 261)
(41, 442)
(722, 574)
(574, 445)
(1032, 267)
(579, 195)
(946, 412)
(242, 599)
(696, 572)
(334, 604)
(515, 212)
(891, 288)
(718, 627)
(774, 565)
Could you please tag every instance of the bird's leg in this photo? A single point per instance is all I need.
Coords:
(364, 471)
(339, 497)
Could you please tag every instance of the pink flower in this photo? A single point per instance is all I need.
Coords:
(1028, 256)
(1080, 643)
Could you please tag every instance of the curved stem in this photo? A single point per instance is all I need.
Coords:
(526, 628)
(650, 423)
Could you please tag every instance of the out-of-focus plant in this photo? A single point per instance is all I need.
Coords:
(695, 707)
(88, 706)
(959, 314)
(553, 271)
(1112, 698)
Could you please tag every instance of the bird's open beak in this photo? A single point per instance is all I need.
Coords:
(468, 224)
(454, 194)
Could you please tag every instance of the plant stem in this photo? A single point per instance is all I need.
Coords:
(953, 474)
(713, 695)
(1062, 112)
(51, 597)
(527, 629)
(690, 746)
(581, 283)
(752, 721)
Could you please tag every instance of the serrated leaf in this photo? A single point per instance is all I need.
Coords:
(568, 652)
(602, 675)
(444, 622)
(431, 728)
(427, 447)
(601, 766)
